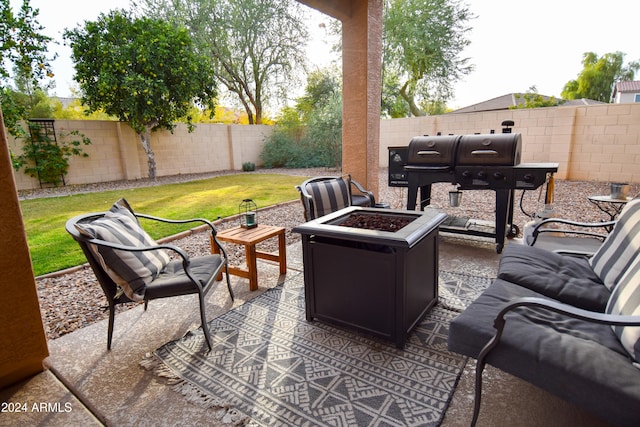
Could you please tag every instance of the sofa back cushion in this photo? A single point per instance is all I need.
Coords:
(567, 279)
(329, 195)
(620, 248)
(132, 271)
(625, 300)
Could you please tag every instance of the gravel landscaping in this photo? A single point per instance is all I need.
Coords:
(73, 299)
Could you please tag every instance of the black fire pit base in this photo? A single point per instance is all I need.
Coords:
(377, 282)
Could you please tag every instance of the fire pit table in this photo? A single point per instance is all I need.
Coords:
(374, 270)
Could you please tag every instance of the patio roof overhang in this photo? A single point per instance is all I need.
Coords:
(335, 8)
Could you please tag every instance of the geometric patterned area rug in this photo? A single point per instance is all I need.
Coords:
(270, 366)
(458, 290)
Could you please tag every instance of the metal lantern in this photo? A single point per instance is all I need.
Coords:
(248, 214)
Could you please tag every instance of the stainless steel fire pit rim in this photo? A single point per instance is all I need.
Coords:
(408, 236)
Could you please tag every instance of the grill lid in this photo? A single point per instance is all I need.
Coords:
(436, 151)
(490, 149)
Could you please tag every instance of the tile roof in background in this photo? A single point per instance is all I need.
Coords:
(628, 86)
(504, 102)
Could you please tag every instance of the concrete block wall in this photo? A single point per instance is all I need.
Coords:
(104, 155)
(590, 143)
(607, 144)
(247, 142)
(104, 161)
(181, 152)
(116, 152)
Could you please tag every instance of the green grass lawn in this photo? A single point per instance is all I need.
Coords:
(52, 248)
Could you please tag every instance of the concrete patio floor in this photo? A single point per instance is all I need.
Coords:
(85, 384)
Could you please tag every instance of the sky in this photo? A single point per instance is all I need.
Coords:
(514, 44)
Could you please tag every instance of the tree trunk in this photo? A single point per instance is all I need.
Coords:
(145, 138)
(415, 110)
(258, 115)
(248, 110)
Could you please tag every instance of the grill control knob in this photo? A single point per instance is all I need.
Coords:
(528, 177)
(498, 175)
(466, 174)
(482, 175)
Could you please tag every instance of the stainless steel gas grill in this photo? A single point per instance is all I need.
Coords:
(473, 162)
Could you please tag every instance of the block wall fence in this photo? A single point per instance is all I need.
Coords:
(116, 152)
(591, 143)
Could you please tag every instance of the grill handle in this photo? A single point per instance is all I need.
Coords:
(484, 153)
(428, 153)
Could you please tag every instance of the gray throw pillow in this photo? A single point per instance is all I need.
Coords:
(132, 271)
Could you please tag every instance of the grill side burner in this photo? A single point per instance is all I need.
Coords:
(473, 162)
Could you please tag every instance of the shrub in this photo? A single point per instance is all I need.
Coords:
(280, 150)
(47, 159)
(318, 143)
(325, 130)
(248, 166)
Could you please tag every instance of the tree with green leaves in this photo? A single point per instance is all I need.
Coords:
(309, 134)
(29, 97)
(532, 99)
(256, 46)
(23, 48)
(323, 85)
(143, 71)
(599, 76)
(422, 43)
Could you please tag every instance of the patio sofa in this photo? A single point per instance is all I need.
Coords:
(568, 325)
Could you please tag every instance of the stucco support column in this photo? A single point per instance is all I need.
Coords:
(23, 345)
(361, 89)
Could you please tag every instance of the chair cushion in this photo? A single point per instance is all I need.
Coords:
(564, 278)
(173, 280)
(132, 271)
(620, 247)
(329, 195)
(360, 200)
(625, 300)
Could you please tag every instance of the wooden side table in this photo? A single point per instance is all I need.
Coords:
(249, 237)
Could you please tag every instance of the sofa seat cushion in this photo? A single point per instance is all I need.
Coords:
(567, 279)
(579, 361)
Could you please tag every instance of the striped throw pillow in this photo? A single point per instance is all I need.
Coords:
(625, 300)
(132, 271)
(620, 248)
(329, 195)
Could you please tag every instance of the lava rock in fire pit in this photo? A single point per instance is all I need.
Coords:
(376, 222)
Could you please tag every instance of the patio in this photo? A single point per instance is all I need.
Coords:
(87, 385)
